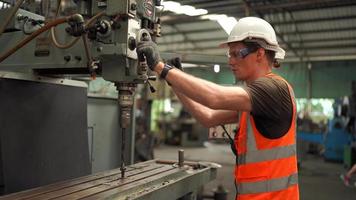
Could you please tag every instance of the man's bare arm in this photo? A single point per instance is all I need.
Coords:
(206, 116)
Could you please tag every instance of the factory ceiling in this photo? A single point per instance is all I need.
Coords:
(309, 30)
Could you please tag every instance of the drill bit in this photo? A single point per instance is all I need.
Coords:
(123, 168)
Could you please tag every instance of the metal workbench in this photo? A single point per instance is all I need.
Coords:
(149, 180)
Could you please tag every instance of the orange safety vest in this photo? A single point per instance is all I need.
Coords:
(266, 168)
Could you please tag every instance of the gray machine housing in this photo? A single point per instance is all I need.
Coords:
(114, 50)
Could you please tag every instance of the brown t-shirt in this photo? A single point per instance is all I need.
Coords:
(272, 108)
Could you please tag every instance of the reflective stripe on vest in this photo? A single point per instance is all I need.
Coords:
(269, 154)
(255, 155)
(267, 185)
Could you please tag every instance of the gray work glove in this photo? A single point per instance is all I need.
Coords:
(148, 50)
(176, 62)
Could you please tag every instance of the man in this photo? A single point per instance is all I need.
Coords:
(265, 144)
(347, 177)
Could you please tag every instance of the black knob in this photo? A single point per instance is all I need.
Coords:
(158, 2)
(133, 6)
(67, 58)
(102, 27)
(78, 58)
(132, 43)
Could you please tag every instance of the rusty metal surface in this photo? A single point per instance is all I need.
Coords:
(147, 180)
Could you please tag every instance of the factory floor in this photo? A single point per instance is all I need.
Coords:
(317, 179)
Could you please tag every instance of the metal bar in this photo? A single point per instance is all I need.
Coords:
(181, 158)
(329, 19)
(297, 4)
(171, 47)
(290, 41)
(192, 31)
(323, 39)
(180, 19)
(309, 84)
(326, 57)
(196, 58)
(322, 30)
(217, 39)
(350, 45)
(213, 4)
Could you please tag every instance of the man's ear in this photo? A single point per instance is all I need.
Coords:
(261, 53)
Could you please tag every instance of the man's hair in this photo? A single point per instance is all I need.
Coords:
(269, 54)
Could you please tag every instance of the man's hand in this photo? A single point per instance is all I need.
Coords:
(176, 62)
(148, 50)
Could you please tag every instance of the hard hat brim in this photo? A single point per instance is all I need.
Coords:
(280, 53)
(224, 44)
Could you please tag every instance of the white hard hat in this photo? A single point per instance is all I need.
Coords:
(249, 28)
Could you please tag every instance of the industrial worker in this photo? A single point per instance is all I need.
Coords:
(265, 143)
(347, 177)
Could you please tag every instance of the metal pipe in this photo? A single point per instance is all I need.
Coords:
(86, 47)
(123, 168)
(173, 162)
(181, 158)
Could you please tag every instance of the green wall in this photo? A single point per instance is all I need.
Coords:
(223, 77)
(328, 79)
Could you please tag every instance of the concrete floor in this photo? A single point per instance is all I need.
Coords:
(318, 180)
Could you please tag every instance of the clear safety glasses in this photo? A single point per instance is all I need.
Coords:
(242, 53)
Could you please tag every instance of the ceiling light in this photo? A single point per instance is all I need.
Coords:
(183, 9)
(216, 68)
(227, 23)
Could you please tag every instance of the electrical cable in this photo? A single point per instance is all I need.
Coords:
(62, 46)
(75, 40)
(10, 16)
(71, 43)
(223, 127)
(32, 36)
(54, 35)
(231, 141)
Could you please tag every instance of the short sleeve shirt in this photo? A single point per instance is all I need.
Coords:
(272, 107)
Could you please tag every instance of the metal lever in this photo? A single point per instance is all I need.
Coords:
(152, 78)
(152, 89)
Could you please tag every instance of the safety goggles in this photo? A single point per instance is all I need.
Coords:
(242, 53)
